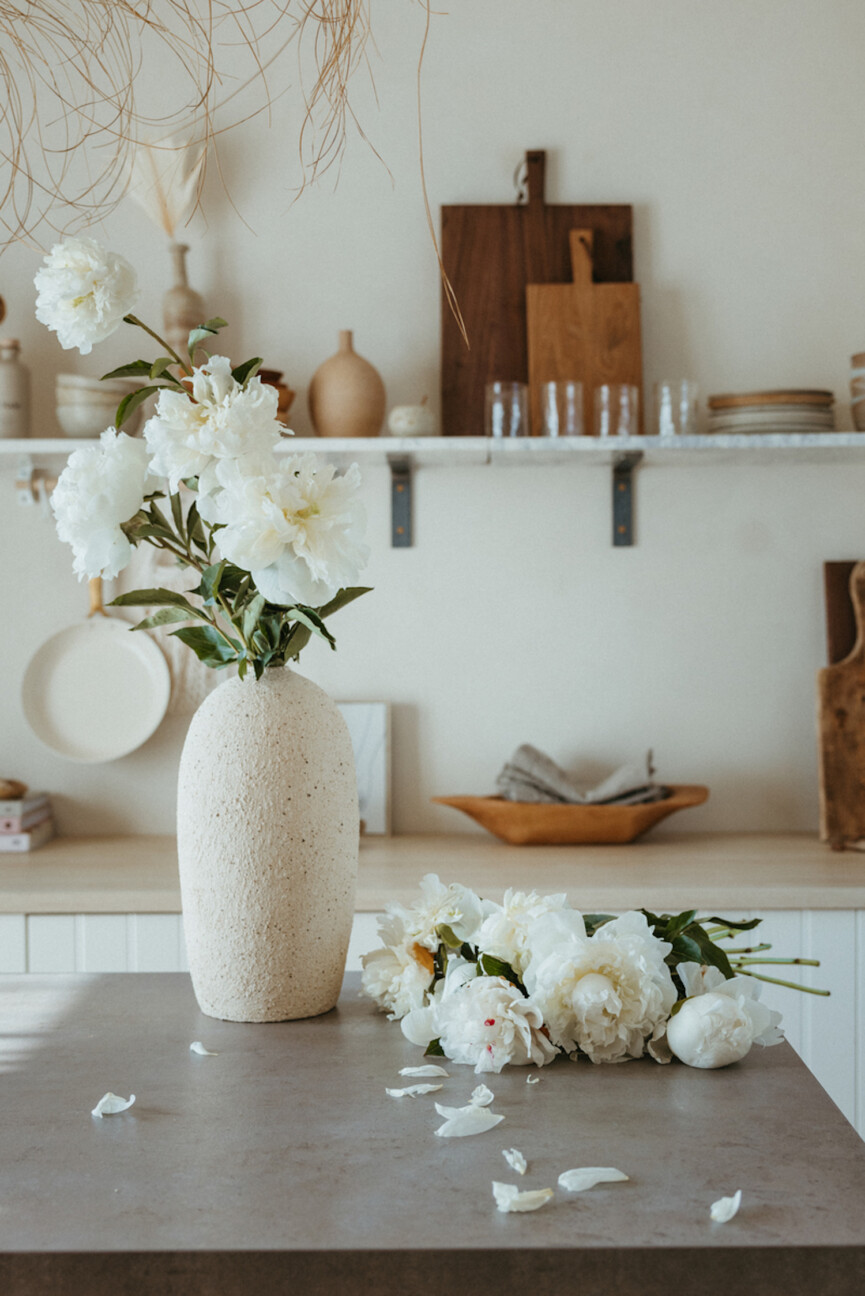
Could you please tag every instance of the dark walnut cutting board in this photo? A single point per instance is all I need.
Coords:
(585, 331)
(490, 253)
(841, 726)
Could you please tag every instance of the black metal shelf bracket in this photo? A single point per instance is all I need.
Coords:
(400, 501)
(623, 496)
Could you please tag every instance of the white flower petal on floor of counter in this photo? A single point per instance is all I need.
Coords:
(723, 1210)
(584, 1177)
(509, 1198)
(463, 1121)
(413, 1091)
(429, 1070)
(111, 1104)
(197, 1047)
(515, 1160)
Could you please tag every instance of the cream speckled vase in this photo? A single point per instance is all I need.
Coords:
(267, 836)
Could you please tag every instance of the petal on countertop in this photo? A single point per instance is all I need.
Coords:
(587, 1176)
(111, 1103)
(515, 1160)
(725, 1208)
(413, 1091)
(481, 1096)
(509, 1198)
(533, 1079)
(429, 1070)
(463, 1121)
(197, 1047)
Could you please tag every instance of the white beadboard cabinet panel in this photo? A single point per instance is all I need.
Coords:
(13, 943)
(364, 937)
(155, 943)
(782, 929)
(102, 943)
(859, 992)
(829, 1025)
(51, 942)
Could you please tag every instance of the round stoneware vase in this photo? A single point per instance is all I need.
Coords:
(267, 837)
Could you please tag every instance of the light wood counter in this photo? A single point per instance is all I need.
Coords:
(720, 872)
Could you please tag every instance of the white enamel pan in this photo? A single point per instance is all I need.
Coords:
(95, 691)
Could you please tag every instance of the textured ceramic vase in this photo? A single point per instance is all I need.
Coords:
(346, 395)
(267, 836)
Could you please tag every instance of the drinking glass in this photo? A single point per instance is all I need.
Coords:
(675, 407)
(562, 409)
(506, 409)
(617, 410)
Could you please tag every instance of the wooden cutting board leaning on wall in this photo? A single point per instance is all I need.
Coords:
(583, 331)
(841, 733)
(490, 253)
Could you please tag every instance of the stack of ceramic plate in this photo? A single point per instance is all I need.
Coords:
(772, 411)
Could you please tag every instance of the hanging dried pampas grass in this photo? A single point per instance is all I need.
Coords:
(72, 111)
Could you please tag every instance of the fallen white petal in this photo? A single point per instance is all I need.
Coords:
(515, 1160)
(412, 1091)
(726, 1207)
(509, 1198)
(533, 1079)
(587, 1176)
(482, 1096)
(430, 1070)
(111, 1103)
(462, 1121)
(197, 1047)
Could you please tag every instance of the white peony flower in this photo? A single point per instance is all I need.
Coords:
(722, 1019)
(605, 994)
(397, 975)
(83, 292)
(100, 487)
(190, 435)
(297, 526)
(504, 931)
(481, 1021)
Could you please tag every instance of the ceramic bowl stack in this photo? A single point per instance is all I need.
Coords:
(87, 406)
(796, 410)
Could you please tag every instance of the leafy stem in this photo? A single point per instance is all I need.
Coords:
(133, 319)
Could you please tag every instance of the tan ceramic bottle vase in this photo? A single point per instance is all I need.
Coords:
(183, 308)
(346, 395)
(267, 839)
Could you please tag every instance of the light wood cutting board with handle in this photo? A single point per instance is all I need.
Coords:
(585, 331)
(841, 725)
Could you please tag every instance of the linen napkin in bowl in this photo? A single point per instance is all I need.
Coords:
(531, 775)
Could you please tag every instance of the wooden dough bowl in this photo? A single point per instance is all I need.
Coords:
(523, 823)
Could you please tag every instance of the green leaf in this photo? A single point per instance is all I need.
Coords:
(210, 581)
(146, 531)
(247, 370)
(491, 966)
(208, 644)
(434, 1049)
(313, 622)
(165, 616)
(447, 934)
(251, 614)
(735, 926)
(131, 402)
(177, 513)
(197, 335)
(215, 324)
(595, 920)
(342, 598)
(153, 598)
(131, 370)
(160, 366)
(195, 529)
(677, 924)
(297, 641)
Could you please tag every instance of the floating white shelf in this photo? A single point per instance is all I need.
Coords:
(403, 454)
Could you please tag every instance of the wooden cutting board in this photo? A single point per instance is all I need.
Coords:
(841, 724)
(490, 253)
(584, 331)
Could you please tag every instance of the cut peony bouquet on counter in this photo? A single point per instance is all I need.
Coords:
(277, 543)
(525, 981)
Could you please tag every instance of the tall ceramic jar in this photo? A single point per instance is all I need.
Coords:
(267, 833)
(346, 394)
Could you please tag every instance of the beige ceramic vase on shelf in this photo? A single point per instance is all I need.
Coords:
(267, 839)
(346, 395)
(183, 308)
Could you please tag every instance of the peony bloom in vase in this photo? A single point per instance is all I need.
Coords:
(267, 801)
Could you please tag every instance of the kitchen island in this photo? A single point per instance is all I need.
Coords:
(281, 1165)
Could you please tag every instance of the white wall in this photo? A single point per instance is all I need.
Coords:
(735, 130)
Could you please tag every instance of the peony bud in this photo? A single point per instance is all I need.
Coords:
(711, 1030)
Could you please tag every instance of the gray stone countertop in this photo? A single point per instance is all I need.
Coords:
(281, 1165)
